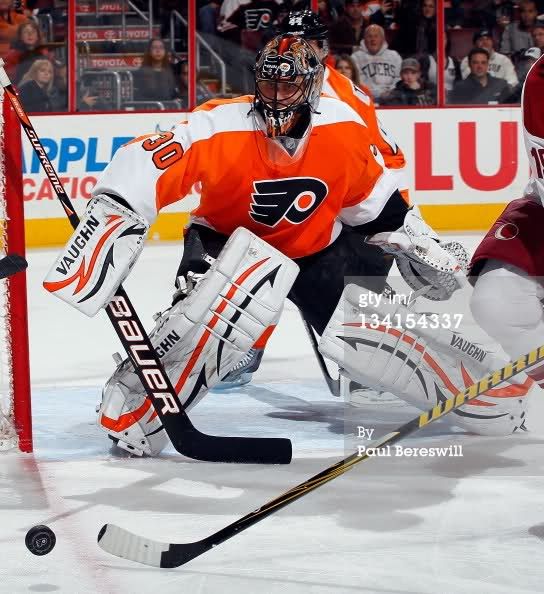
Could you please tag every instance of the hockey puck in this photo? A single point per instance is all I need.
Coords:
(40, 540)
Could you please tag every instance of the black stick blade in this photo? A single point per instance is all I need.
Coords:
(240, 450)
(12, 264)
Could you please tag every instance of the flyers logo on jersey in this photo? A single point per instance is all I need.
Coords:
(258, 18)
(294, 199)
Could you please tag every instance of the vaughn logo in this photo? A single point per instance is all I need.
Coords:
(165, 345)
(467, 347)
(77, 245)
(294, 199)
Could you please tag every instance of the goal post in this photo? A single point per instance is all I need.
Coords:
(15, 412)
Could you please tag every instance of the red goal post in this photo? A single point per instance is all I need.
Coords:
(15, 408)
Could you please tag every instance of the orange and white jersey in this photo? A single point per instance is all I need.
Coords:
(359, 99)
(296, 207)
(533, 128)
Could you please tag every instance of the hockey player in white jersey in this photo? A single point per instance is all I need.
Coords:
(507, 268)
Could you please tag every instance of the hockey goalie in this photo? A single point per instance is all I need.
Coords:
(278, 218)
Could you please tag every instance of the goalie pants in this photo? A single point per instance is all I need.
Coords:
(322, 276)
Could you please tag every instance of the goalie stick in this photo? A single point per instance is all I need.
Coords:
(185, 437)
(122, 543)
(332, 382)
(11, 264)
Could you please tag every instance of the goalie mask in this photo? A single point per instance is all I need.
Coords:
(288, 81)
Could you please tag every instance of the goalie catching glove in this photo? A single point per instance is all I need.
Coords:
(202, 338)
(98, 256)
(422, 259)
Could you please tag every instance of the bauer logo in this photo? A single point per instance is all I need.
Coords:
(294, 199)
(150, 373)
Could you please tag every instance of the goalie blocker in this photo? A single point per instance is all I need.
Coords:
(98, 256)
(201, 337)
(423, 367)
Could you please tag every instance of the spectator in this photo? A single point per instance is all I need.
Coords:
(203, 93)
(452, 69)
(487, 14)
(517, 35)
(208, 16)
(347, 32)
(411, 89)
(378, 12)
(27, 46)
(9, 22)
(327, 11)
(538, 35)
(480, 87)
(37, 91)
(500, 66)
(417, 32)
(244, 26)
(251, 17)
(379, 67)
(528, 58)
(426, 30)
(155, 80)
(346, 66)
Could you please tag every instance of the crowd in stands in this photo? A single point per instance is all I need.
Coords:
(389, 46)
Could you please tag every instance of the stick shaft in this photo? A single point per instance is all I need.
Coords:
(184, 436)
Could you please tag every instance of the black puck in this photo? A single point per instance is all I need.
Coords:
(40, 540)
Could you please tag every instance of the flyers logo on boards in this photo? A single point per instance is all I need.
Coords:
(294, 199)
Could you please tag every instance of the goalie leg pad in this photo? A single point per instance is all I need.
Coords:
(130, 419)
(204, 336)
(402, 362)
(98, 256)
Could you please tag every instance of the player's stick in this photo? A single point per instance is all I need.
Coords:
(11, 264)
(184, 436)
(332, 383)
(125, 544)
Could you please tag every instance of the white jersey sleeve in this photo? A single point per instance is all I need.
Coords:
(150, 172)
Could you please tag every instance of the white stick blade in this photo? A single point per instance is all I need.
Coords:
(122, 543)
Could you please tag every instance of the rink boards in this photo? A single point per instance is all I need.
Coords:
(463, 165)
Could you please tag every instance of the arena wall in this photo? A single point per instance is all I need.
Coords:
(464, 164)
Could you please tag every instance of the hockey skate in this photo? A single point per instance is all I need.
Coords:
(242, 374)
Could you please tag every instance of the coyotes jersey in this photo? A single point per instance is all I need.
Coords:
(359, 99)
(296, 207)
(533, 128)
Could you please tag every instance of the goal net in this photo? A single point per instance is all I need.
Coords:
(15, 417)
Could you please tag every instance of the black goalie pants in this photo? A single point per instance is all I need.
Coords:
(322, 278)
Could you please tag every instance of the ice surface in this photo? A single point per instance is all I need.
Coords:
(465, 525)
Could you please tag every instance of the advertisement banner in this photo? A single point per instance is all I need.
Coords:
(463, 164)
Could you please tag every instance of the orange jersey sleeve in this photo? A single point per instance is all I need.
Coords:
(359, 99)
(296, 206)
